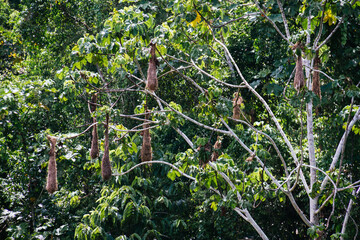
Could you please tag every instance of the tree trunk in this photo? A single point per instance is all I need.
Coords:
(313, 202)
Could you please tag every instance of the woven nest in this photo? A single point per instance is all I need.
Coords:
(204, 154)
(215, 155)
(316, 77)
(51, 181)
(152, 81)
(237, 101)
(146, 150)
(299, 82)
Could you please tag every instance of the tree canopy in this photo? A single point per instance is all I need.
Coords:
(180, 119)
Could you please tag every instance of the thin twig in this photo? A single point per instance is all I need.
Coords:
(236, 19)
(270, 139)
(217, 80)
(330, 35)
(188, 118)
(181, 74)
(321, 26)
(284, 19)
(293, 154)
(339, 147)
(178, 69)
(272, 23)
(152, 162)
(79, 134)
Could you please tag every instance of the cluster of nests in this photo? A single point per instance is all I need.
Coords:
(299, 81)
(207, 152)
(106, 172)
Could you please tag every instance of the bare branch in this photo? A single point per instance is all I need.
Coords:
(188, 118)
(284, 19)
(134, 129)
(79, 134)
(135, 116)
(268, 109)
(247, 213)
(272, 23)
(236, 19)
(348, 211)
(330, 35)
(181, 74)
(152, 162)
(178, 69)
(340, 146)
(120, 90)
(353, 185)
(270, 139)
(321, 26)
(217, 80)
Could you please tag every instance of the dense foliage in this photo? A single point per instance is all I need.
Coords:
(271, 176)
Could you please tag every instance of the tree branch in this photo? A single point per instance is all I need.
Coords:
(321, 27)
(340, 146)
(188, 118)
(284, 19)
(348, 211)
(271, 141)
(236, 19)
(181, 74)
(156, 162)
(217, 80)
(330, 35)
(268, 109)
(79, 134)
(272, 23)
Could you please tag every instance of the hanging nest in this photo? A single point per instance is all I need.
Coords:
(236, 112)
(152, 81)
(105, 162)
(146, 150)
(216, 147)
(204, 154)
(299, 82)
(93, 102)
(237, 101)
(94, 151)
(316, 76)
(51, 181)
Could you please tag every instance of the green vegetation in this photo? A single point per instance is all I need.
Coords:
(285, 166)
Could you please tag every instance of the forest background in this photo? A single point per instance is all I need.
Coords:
(219, 119)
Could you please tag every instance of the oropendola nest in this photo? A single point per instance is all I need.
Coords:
(299, 82)
(237, 101)
(216, 147)
(51, 181)
(146, 150)
(94, 151)
(316, 76)
(152, 81)
(204, 154)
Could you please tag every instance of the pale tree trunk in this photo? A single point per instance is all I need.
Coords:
(313, 202)
(311, 148)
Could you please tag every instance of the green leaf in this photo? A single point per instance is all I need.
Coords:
(214, 206)
(172, 175)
